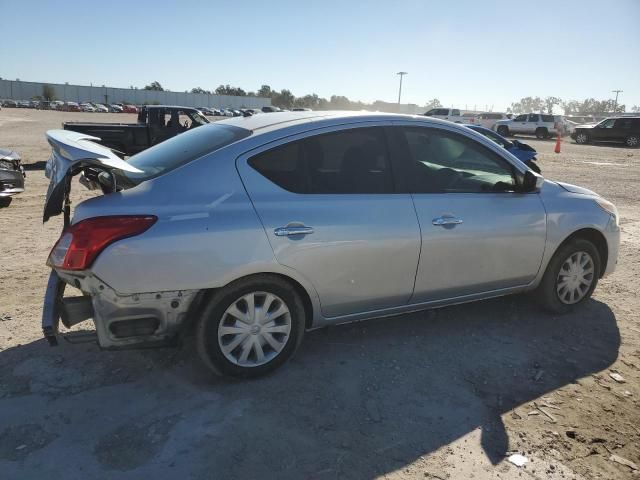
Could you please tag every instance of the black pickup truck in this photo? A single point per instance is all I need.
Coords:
(156, 123)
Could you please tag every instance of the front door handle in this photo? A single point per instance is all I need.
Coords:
(292, 230)
(442, 221)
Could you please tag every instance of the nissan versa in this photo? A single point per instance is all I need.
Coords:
(255, 229)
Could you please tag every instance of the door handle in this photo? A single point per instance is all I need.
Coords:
(288, 231)
(442, 221)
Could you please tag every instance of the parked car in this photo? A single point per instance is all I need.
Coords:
(255, 229)
(613, 130)
(452, 114)
(10, 104)
(70, 107)
(11, 176)
(156, 123)
(206, 111)
(489, 119)
(270, 109)
(523, 152)
(301, 109)
(114, 108)
(129, 109)
(87, 107)
(236, 113)
(538, 124)
(56, 105)
(24, 104)
(100, 108)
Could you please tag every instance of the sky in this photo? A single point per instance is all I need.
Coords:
(476, 54)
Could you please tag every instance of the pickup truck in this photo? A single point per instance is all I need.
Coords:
(156, 123)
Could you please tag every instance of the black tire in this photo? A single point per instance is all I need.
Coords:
(547, 293)
(213, 312)
(542, 133)
(582, 138)
(632, 141)
(503, 130)
(5, 201)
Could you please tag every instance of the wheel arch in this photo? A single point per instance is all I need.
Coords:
(206, 294)
(594, 236)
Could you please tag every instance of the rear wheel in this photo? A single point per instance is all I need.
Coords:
(5, 201)
(251, 327)
(632, 141)
(571, 276)
(582, 138)
(542, 133)
(503, 130)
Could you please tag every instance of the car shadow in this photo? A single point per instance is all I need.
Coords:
(357, 401)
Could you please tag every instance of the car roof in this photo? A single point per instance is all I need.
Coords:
(268, 122)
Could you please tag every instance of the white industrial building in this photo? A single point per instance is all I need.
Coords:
(19, 90)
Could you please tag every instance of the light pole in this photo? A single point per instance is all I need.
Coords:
(615, 104)
(402, 74)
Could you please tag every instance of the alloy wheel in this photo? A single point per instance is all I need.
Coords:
(581, 138)
(254, 329)
(632, 141)
(575, 278)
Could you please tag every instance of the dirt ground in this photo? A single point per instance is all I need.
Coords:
(445, 394)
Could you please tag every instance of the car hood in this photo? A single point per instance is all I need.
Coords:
(71, 153)
(576, 189)
(6, 154)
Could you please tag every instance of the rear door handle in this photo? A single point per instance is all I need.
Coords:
(441, 221)
(288, 231)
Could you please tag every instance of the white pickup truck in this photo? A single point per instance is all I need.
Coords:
(451, 114)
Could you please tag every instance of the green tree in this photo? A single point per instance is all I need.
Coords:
(48, 92)
(154, 86)
(229, 90)
(526, 105)
(283, 99)
(433, 103)
(551, 102)
(199, 90)
(265, 91)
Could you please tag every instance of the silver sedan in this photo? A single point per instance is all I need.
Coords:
(255, 229)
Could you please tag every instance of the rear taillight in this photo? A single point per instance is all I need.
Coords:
(82, 242)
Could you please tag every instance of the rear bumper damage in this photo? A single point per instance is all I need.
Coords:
(121, 321)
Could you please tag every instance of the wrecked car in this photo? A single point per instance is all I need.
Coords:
(156, 123)
(12, 176)
(252, 230)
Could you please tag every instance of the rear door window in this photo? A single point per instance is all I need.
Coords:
(354, 161)
(547, 118)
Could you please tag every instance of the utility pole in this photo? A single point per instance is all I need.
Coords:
(615, 104)
(402, 74)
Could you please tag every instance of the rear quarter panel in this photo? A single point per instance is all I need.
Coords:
(207, 233)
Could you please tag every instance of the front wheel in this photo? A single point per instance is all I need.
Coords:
(571, 276)
(251, 327)
(632, 141)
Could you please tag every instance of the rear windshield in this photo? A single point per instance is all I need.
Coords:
(182, 149)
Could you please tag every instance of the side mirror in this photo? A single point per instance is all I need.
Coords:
(532, 182)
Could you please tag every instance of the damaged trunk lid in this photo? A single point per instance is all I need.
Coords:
(73, 153)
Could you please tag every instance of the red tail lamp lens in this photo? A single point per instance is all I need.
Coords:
(82, 242)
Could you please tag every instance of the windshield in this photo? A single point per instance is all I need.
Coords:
(179, 151)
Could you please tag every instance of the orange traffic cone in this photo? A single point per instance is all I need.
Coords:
(557, 149)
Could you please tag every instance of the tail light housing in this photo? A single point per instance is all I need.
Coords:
(81, 243)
